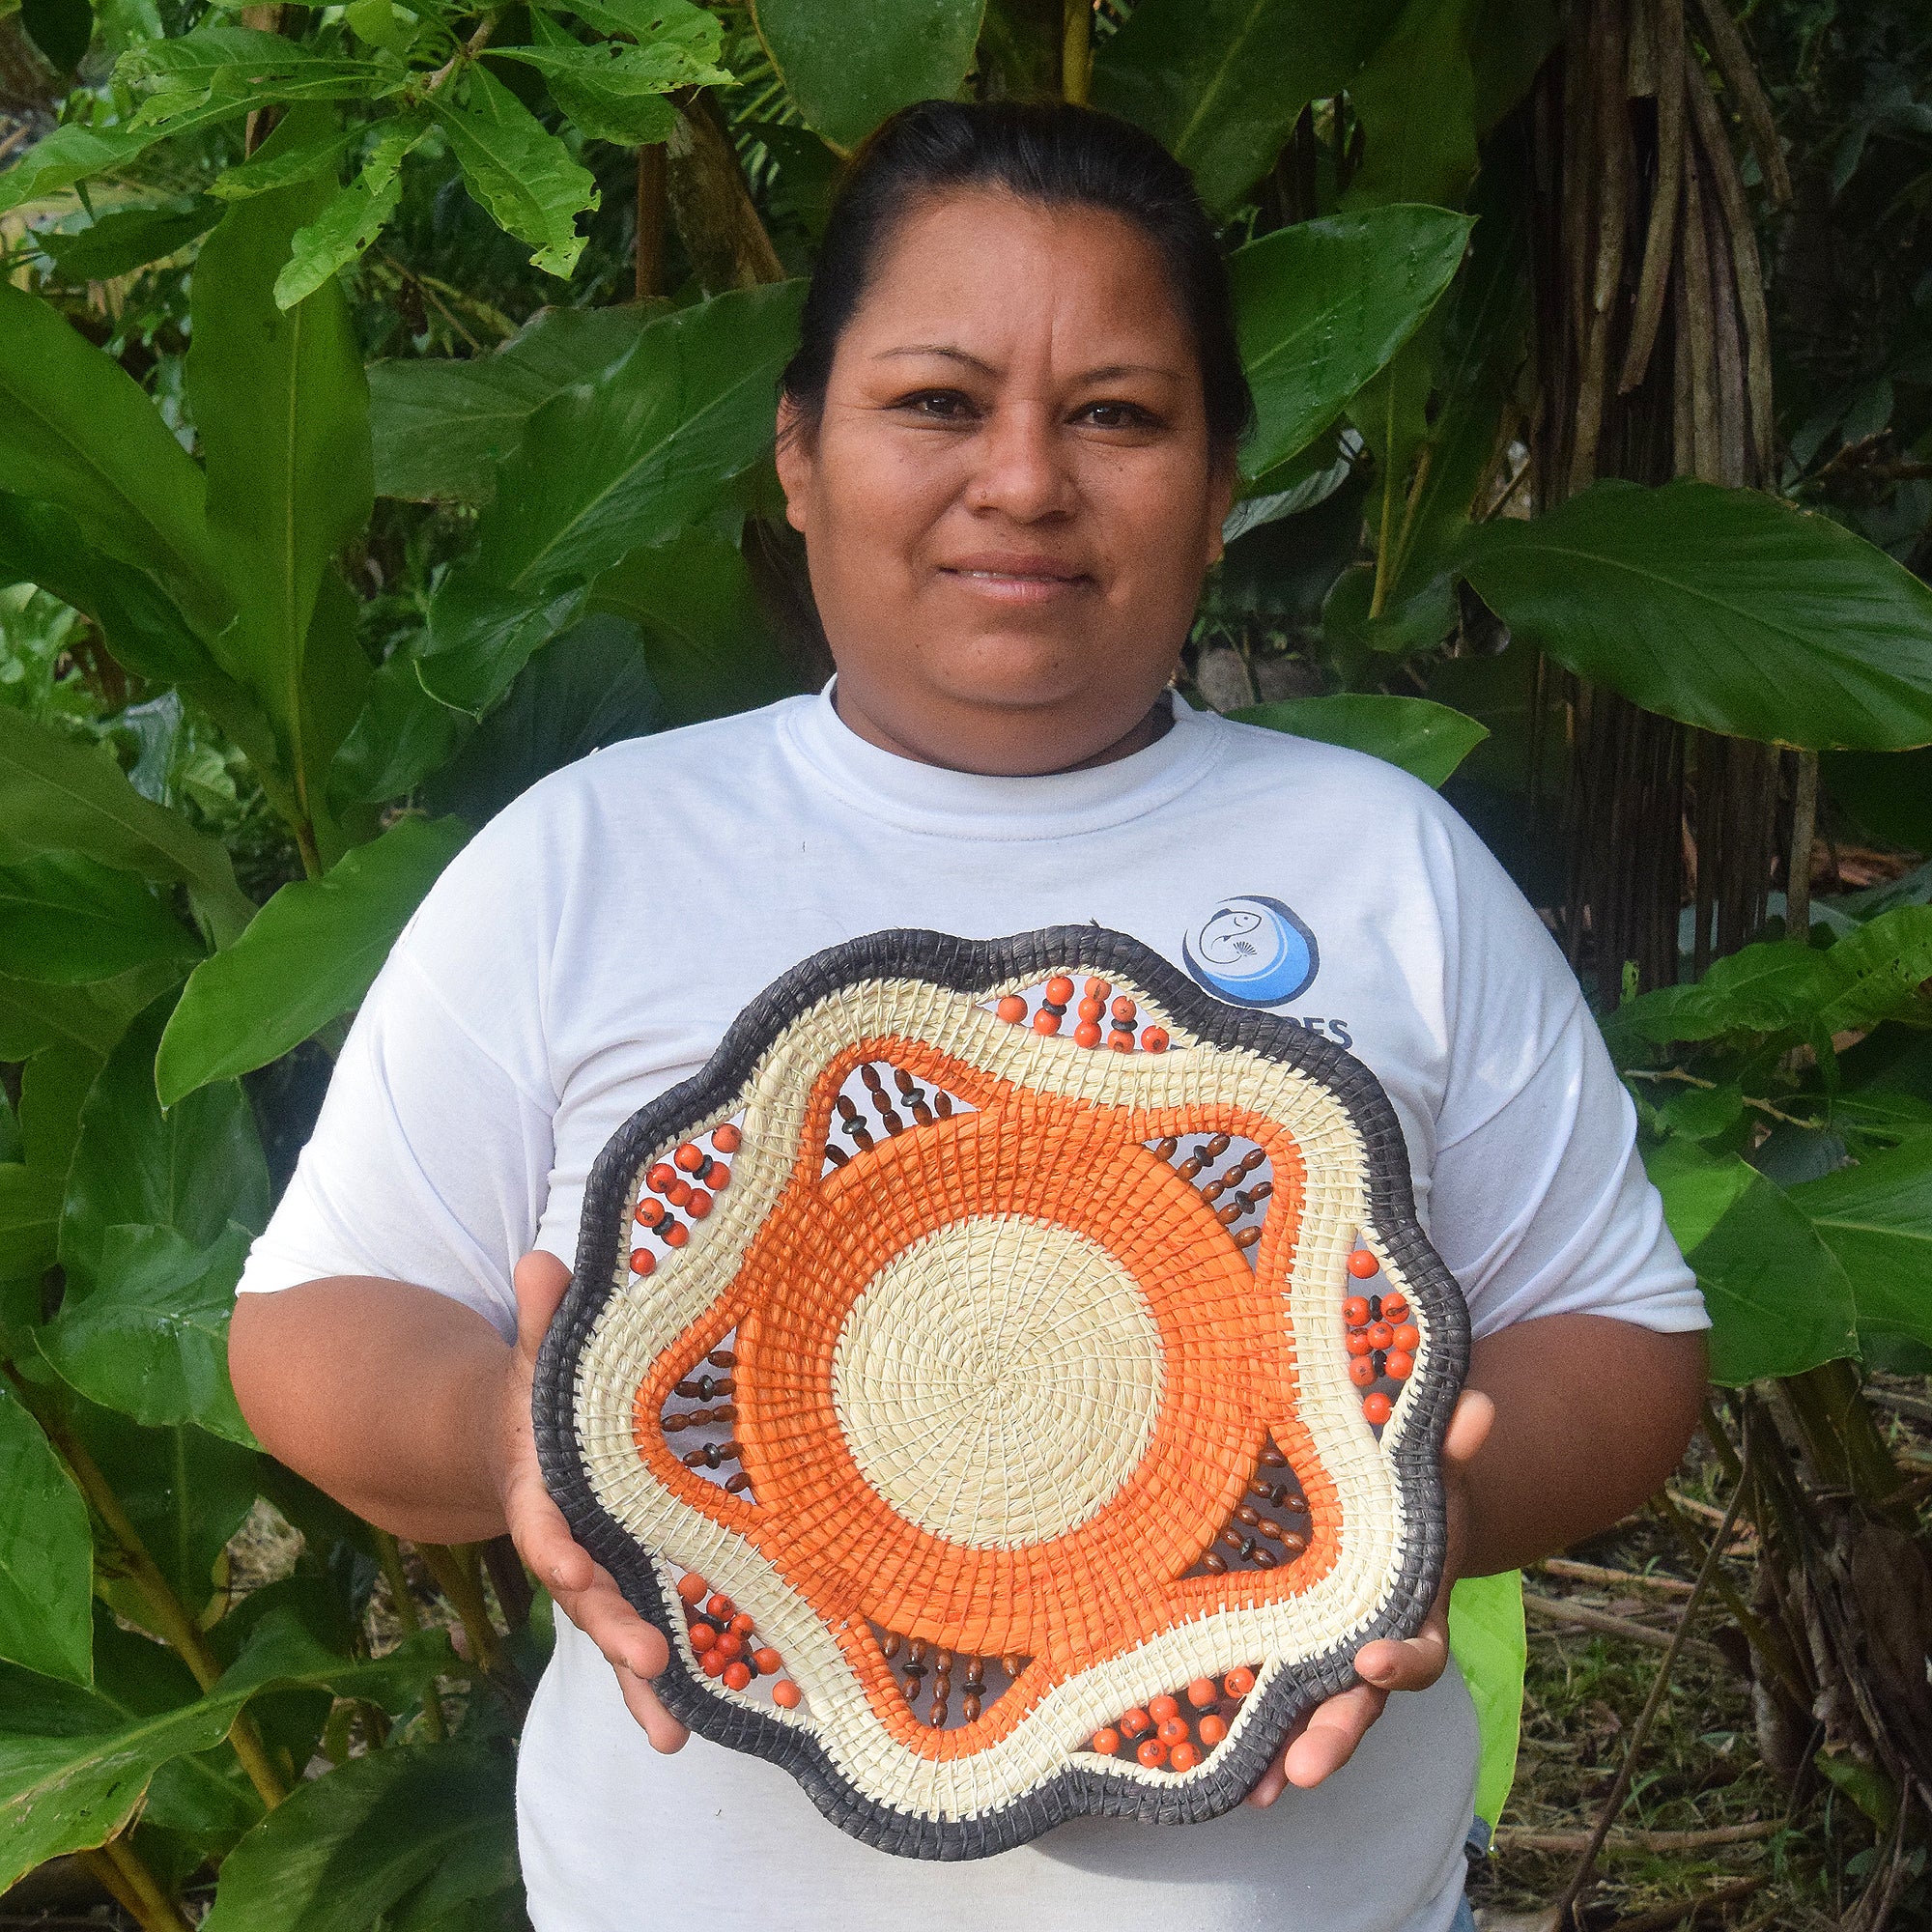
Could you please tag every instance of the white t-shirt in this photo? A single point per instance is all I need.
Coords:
(587, 950)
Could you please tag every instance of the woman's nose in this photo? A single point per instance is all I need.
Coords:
(1023, 470)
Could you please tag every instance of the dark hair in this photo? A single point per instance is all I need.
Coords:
(1048, 153)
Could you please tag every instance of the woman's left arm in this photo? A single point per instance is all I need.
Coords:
(1568, 1423)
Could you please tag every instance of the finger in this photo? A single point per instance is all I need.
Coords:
(543, 1537)
(540, 1281)
(1475, 1415)
(608, 1621)
(1411, 1664)
(1335, 1727)
(663, 1730)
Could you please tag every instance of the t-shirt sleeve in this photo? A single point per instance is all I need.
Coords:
(1539, 1203)
(431, 1159)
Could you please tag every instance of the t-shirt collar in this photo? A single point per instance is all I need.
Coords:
(932, 798)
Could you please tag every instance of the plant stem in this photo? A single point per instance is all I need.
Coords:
(452, 1565)
(390, 1559)
(153, 1909)
(171, 1620)
(1586, 1863)
(1076, 51)
(647, 254)
(468, 51)
(1804, 831)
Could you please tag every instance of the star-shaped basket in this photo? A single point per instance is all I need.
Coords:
(1012, 1381)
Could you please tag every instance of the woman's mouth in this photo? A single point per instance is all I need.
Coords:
(1016, 580)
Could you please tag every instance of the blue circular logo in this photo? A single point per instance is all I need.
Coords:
(1252, 950)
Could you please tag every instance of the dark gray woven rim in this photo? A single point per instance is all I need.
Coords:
(975, 967)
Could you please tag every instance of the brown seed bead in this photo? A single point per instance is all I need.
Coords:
(891, 1644)
(836, 1155)
(942, 1658)
(918, 1652)
(1214, 1191)
(696, 1418)
(1230, 1214)
(969, 1707)
(739, 1485)
(1293, 1541)
(892, 1120)
(700, 1459)
(674, 1423)
(1246, 1515)
(904, 1080)
(922, 1114)
(1214, 1563)
(861, 1138)
(942, 1684)
(728, 1452)
(725, 1411)
(1189, 1167)
(942, 1105)
(936, 1715)
(1252, 1159)
(1012, 1664)
(1273, 1459)
(1272, 1529)
(1164, 1149)
(847, 1110)
(1218, 1146)
(1247, 1237)
(976, 1674)
(869, 1074)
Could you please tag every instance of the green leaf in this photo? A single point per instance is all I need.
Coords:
(1878, 971)
(602, 469)
(440, 425)
(587, 688)
(621, 70)
(66, 920)
(47, 1557)
(383, 24)
(1491, 1644)
(77, 430)
(847, 64)
(1322, 305)
(1427, 740)
(60, 28)
(309, 955)
(401, 736)
(1415, 103)
(151, 1338)
(1780, 1301)
(36, 1019)
(1722, 609)
(606, 98)
(56, 794)
(66, 1793)
(285, 166)
(351, 217)
(281, 405)
(224, 62)
(193, 1169)
(128, 239)
(1698, 1189)
(708, 646)
(1222, 81)
(519, 171)
(77, 153)
(481, 635)
(30, 1207)
(1877, 1219)
(401, 1837)
(1889, 794)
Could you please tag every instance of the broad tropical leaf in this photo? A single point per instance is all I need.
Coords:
(351, 218)
(1222, 81)
(1877, 1219)
(1323, 305)
(400, 1836)
(77, 430)
(150, 1339)
(308, 957)
(67, 920)
(1427, 740)
(1415, 102)
(220, 61)
(193, 1169)
(47, 1557)
(441, 424)
(1490, 1647)
(128, 238)
(55, 794)
(76, 152)
(1722, 609)
(30, 1206)
(847, 64)
(65, 1793)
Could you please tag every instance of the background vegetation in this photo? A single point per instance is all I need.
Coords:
(385, 420)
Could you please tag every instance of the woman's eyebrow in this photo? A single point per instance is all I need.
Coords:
(1107, 372)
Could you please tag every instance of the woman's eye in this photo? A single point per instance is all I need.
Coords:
(938, 406)
(1117, 416)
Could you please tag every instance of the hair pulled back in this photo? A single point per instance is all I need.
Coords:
(1052, 153)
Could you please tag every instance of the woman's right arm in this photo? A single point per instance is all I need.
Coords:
(407, 1407)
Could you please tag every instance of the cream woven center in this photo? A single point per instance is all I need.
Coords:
(998, 1381)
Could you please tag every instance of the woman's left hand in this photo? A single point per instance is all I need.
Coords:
(1325, 1739)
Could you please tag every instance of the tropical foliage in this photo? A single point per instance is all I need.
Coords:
(386, 400)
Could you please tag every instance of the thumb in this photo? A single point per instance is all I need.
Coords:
(1469, 1426)
(540, 1281)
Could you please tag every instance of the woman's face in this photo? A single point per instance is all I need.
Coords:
(1010, 501)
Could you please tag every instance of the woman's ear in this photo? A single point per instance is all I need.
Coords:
(793, 457)
(1220, 500)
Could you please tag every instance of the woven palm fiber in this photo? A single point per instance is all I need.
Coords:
(1013, 1370)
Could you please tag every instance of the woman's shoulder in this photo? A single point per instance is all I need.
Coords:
(1317, 770)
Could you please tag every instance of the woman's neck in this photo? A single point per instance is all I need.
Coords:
(1154, 724)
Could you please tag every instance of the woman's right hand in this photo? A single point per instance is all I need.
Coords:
(583, 1589)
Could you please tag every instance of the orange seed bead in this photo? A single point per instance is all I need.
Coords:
(722, 1608)
(1355, 1310)
(1359, 1343)
(726, 1139)
(691, 1586)
(642, 1261)
(785, 1695)
(1408, 1337)
(1240, 1681)
(1162, 1708)
(1376, 1408)
(1011, 1009)
(703, 1636)
(1202, 1692)
(1362, 1372)
(1154, 1039)
(742, 1623)
(698, 1206)
(737, 1674)
(1123, 1008)
(712, 1661)
(1362, 1265)
(768, 1660)
(1098, 988)
(689, 1157)
(1089, 1010)
(1086, 1033)
(676, 1235)
(1380, 1335)
(1153, 1753)
(1398, 1365)
(1106, 1742)
(1213, 1728)
(1135, 1721)
(1173, 1731)
(1044, 1022)
(1060, 989)
(1183, 1757)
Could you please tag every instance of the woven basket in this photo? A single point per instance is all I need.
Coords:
(1012, 1381)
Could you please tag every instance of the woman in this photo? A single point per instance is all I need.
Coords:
(1009, 440)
